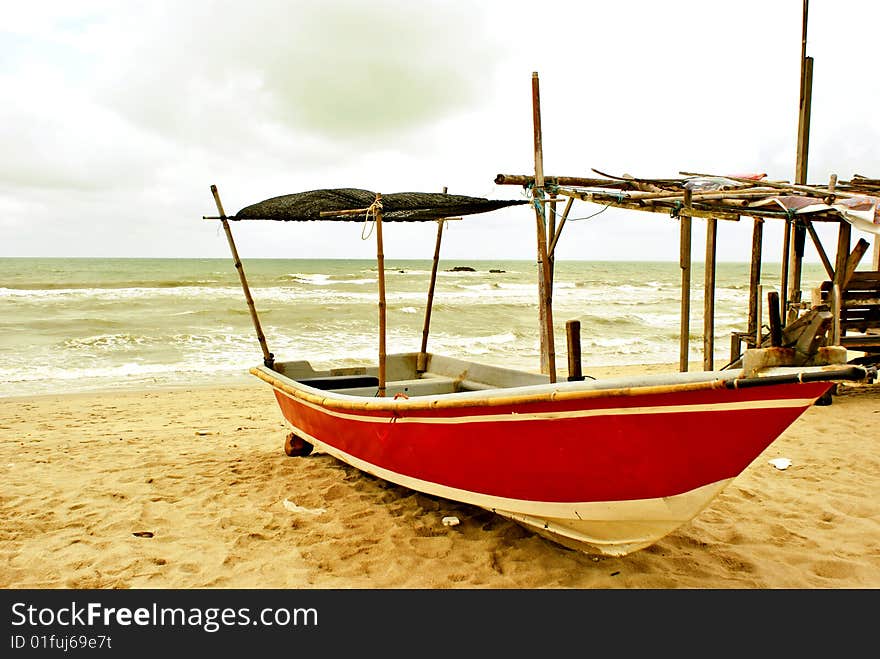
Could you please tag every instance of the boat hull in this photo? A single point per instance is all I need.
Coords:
(606, 474)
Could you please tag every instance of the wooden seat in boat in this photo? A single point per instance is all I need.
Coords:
(341, 381)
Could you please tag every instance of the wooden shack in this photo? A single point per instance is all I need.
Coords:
(844, 311)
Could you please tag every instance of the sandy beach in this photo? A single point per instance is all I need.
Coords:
(190, 488)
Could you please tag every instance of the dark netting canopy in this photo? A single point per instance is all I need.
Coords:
(398, 206)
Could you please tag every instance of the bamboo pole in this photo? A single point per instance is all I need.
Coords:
(684, 262)
(551, 233)
(709, 296)
(565, 211)
(610, 199)
(817, 243)
(268, 357)
(545, 290)
(380, 261)
(421, 362)
(810, 190)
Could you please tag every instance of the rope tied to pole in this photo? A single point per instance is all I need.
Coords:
(370, 216)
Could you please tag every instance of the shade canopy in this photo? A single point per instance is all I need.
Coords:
(398, 206)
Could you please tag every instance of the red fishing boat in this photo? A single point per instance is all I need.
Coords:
(602, 466)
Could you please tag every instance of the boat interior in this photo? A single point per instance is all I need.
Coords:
(448, 375)
(440, 375)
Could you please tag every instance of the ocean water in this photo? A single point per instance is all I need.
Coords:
(83, 324)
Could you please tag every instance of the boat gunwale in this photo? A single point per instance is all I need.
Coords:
(548, 392)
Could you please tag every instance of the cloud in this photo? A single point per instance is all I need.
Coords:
(339, 72)
(123, 114)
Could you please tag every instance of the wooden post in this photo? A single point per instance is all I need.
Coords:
(709, 296)
(735, 347)
(804, 102)
(775, 319)
(551, 233)
(835, 314)
(794, 294)
(545, 290)
(422, 359)
(573, 335)
(268, 357)
(844, 236)
(380, 261)
(684, 262)
(876, 261)
(759, 329)
(798, 241)
(755, 274)
(786, 256)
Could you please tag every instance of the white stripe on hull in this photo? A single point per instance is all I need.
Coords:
(611, 528)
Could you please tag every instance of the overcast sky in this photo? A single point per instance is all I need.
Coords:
(117, 117)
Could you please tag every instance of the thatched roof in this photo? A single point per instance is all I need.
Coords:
(399, 206)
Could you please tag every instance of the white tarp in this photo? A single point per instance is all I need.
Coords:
(861, 212)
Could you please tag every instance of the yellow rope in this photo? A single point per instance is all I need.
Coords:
(374, 208)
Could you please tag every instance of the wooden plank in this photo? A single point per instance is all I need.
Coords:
(856, 342)
(813, 336)
(867, 278)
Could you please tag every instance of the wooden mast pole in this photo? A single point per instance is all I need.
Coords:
(545, 290)
(684, 262)
(798, 228)
(380, 265)
(755, 275)
(268, 357)
(422, 359)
